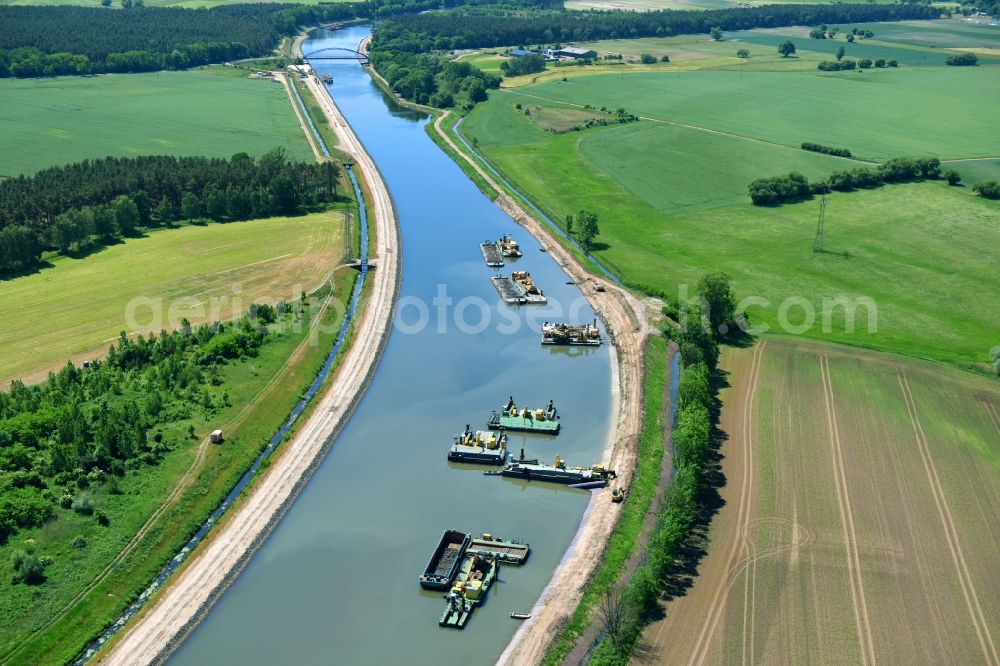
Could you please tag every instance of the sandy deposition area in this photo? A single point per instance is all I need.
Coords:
(624, 318)
(191, 593)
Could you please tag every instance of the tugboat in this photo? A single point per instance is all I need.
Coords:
(525, 420)
(508, 247)
(595, 476)
(571, 334)
(484, 447)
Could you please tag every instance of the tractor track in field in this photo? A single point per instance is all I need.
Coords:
(992, 411)
(858, 603)
(717, 607)
(948, 525)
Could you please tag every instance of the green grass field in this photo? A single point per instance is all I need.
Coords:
(184, 271)
(216, 112)
(488, 61)
(845, 109)
(672, 199)
(976, 171)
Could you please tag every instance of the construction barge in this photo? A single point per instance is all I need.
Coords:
(483, 447)
(508, 291)
(595, 476)
(524, 282)
(475, 578)
(508, 247)
(519, 289)
(491, 254)
(539, 420)
(473, 565)
(444, 563)
(554, 333)
(508, 552)
(479, 569)
(494, 252)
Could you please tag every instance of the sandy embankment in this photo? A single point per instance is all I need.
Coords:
(624, 318)
(192, 592)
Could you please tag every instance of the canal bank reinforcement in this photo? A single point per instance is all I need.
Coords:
(624, 318)
(188, 597)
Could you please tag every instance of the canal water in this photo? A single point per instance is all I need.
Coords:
(337, 580)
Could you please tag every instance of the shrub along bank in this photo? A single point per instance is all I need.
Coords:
(795, 186)
(623, 616)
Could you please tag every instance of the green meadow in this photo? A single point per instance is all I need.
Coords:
(215, 112)
(945, 108)
(670, 192)
(976, 171)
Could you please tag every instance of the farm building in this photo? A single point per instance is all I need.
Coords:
(216, 437)
(577, 54)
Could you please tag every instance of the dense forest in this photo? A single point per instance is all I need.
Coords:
(67, 208)
(480, 27)
(418, 75)
(84, 427)
(144, 39)
(433, 79)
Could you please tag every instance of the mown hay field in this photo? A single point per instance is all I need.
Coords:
(76, 308)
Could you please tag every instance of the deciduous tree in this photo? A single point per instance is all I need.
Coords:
(720, 303)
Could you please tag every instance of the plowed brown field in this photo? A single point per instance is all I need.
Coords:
(860, 523)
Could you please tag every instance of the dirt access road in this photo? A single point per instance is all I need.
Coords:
(193, 590)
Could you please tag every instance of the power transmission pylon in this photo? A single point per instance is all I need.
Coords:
(818, 243)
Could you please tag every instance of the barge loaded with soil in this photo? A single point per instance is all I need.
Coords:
(443, 565)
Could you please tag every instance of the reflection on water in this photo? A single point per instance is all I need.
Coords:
(574, 351)
(337, 581)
